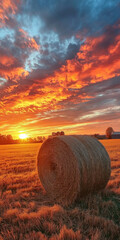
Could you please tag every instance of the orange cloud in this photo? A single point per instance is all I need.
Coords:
(91, 64)
(7, 7)
(26, 41)
(6, 60)
(9, 68)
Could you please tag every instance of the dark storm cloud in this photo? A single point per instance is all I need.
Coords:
(54, 58)
(66, 18)
(10, 48)
(72, 50)
(8, 61)
(12, 60)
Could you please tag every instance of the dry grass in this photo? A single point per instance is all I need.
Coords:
(25, 210)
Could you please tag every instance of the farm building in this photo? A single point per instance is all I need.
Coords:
(115, 135)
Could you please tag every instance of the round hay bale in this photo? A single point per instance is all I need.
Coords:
(69, 167)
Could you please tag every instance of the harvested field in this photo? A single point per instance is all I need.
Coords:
(26, 212)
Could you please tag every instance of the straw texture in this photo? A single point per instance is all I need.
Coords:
(69, 167)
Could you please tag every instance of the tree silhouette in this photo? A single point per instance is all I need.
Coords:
(6, 139)
(109, 132)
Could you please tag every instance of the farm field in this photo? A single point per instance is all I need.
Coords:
(27, 214)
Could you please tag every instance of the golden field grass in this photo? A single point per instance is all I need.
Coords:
(27, 214)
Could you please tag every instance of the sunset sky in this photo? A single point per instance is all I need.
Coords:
(59, 66)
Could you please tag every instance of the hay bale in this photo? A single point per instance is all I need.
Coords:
(71, 166)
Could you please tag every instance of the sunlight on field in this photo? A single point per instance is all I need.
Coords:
(25, 210)
(113, 148)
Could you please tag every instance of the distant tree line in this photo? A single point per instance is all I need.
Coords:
(8, 139)
(38, 139)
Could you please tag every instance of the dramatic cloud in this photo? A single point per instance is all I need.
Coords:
(59, 66)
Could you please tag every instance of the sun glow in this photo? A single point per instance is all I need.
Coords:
(23, 136)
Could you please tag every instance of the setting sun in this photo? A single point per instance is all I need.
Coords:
(23, 136)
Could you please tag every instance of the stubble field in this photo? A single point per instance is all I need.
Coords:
(27, 214)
